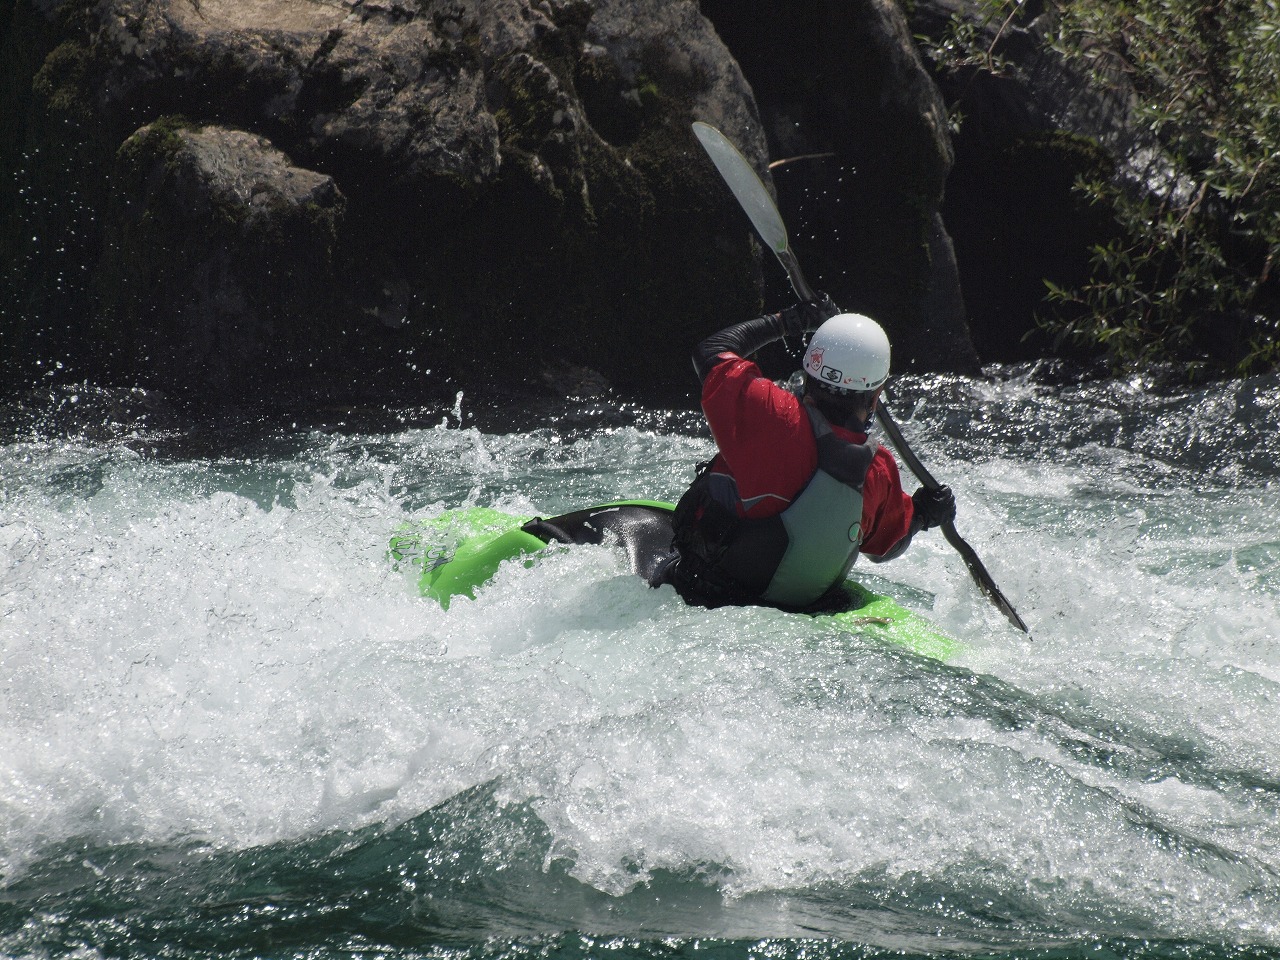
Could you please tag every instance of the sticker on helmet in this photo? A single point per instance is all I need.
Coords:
(832, 374)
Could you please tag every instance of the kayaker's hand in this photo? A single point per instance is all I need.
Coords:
(934, 507)
(807, 316)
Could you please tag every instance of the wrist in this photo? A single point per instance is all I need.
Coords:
(789, 323)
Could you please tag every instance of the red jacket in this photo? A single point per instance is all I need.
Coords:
(767, 447)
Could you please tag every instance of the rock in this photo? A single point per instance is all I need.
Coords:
(519, 180)
(845, 82)
(1027, 134)
(493, 188)
(218, 269)
(1037, 90)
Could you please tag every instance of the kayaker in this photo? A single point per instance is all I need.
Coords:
(796, 491)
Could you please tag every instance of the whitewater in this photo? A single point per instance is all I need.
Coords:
(230, 726)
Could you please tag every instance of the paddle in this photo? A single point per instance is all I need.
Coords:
(755, 200)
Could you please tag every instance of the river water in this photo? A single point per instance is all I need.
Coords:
(230, 727)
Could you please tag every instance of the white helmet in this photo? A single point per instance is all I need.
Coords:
(848, 352)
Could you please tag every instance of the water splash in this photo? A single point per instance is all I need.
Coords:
(210, 665)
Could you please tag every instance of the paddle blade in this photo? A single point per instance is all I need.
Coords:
(982, 578)
(745, 184)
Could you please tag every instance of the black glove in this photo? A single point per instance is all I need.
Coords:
(807, 316)
(934, 507)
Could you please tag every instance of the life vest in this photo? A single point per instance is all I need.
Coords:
(788, 560)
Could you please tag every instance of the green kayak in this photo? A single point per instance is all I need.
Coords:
(459, 551)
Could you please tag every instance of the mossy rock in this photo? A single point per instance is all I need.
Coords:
(517, 175)
(220, 255)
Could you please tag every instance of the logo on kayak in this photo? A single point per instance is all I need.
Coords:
(855, 533)
(409, 548)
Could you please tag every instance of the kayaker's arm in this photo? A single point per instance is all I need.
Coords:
(930, 508)
(744, 339)
(899, 548)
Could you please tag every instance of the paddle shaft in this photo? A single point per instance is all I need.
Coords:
(756, 202)
(977, 569)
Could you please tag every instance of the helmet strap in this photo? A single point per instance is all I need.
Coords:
(841, 410)
(858, 424)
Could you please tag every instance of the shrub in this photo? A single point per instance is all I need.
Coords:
(1190, 276)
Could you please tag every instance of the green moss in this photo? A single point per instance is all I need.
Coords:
(526, 115)
(646, 91)
(624, 110)
(71, 71)
(158, 140)
(62, 81)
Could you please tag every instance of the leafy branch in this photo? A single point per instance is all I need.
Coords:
(1196, 198)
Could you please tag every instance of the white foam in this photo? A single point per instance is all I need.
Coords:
(222, 650)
